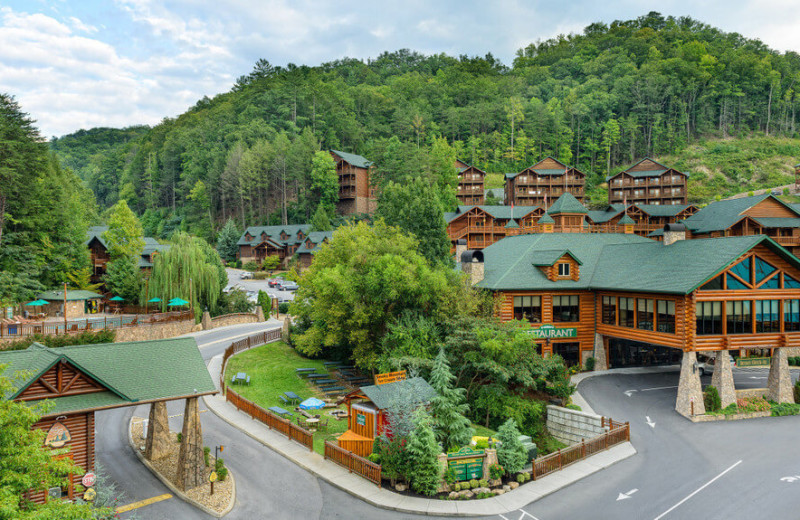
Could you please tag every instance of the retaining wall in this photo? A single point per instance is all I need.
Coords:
(571, 426)
(157, 331)
(234, 319)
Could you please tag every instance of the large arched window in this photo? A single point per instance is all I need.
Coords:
(751, 273)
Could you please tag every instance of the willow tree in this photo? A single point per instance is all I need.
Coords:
(190, 270)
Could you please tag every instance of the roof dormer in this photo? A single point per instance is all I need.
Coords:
(558, 264)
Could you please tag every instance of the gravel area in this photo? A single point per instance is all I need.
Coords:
(168, 467)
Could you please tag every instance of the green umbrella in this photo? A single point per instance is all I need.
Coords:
(177, 302)
(117, 299)
(37, 303)
(154, 300)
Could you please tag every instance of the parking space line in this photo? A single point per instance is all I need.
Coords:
(701, 488)
(142, 503)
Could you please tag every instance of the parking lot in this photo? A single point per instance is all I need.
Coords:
(253, 286)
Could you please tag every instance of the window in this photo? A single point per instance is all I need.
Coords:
(790, 283)
(609, 310)
(709, 318)
(563, 269)
(645, 314)
(666, 316)
(791, 315)
(767, 317)
(565, 308)
(739, 317)
(528, 308)
(713, 285)
(626, 312)
(763, 270)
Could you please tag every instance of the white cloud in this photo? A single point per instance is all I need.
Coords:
(78, 25)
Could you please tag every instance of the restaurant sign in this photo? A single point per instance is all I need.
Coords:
(550, 332)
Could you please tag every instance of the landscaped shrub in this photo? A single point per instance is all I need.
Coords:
(797, 392)
(207, 455)
(222, 471)
(496, 471)
(283, 308)
(179, 436)
(711, 399)
(753, 404)
(782, 409)
(483, 483)
(473, 484)
(55, 341)
(374, 457)
(520, 478)
(573, 407)
(590, 362)
(250, 266)
(450, 476)
(482, 444)
(511, 454)
(457, 486)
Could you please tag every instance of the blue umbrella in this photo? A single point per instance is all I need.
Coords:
(177, 302)
(154, 300)
(312, 403)
(37, 303)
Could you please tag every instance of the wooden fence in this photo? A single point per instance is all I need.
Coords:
(76, 326)
(619, 433)
(355, 464)
(255, 340)
(286, 427)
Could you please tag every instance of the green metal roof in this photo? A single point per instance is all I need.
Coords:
(512, 224)
(546, 219)
(777, 222)
(132, 372)
(549, 171)
(626, 220)
(274, 233)
(384, 396)
(547, 258)
(662, 210)
(317, 237)
(353, 159)
(72, 296)
(722, 214)
(498, 212)
(567, 203)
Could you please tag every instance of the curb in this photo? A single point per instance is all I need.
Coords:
(177, 492)
(427, 511)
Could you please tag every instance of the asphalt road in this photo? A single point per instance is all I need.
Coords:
(682, 470)
(235, 280)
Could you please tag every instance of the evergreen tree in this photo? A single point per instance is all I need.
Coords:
(448, 408)
(124, 236)
(423, 451)
(124, 278)
(511, 453)
(324, 180)
(322, 219)
(227, 241)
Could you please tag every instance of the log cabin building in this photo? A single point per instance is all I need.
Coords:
(648, 182)
(366, 410)
(356, 189)
(543, 183)
(311, 245)
(99, 256)
(259, 242)
(761, 214)
(470, 190)
(629, 301)
(79, 381)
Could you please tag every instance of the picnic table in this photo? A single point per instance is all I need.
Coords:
(331, 363)
(316, 376)
(304, 370)
(323, 381)
(240, 377)
(280, 411)
(292, 396)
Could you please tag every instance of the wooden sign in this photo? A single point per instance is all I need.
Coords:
(57, 436)
(390, 377)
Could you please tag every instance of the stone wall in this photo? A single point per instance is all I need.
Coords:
(751, 392)
(571, 426)
(233, 319)
(157, 331)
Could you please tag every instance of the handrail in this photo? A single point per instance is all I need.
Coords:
(617, 434)
(76, 326)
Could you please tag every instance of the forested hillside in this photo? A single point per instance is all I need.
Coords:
(652, 86)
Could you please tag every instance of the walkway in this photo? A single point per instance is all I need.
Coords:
(370, 493)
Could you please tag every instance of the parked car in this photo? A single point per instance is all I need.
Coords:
(247, 275)
(705, 365)
(273, 282)
(289, 286)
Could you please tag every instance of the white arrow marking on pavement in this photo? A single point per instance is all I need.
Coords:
(649, 422)
(754, 377)
(791, 479)
(629, 392)
(623, 496)
(526, 513)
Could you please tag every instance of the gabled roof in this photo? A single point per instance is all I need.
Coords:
(72, 296)
(498, 212)
(384, 396)
(723, 214)
(626, 220)
(139, 371)
(96, 233)
(274, 233)
(547, 258)
(512, 224)
(353, 159)
(778, 222)
(548, 171)
(317, 237)
(567, 203)
(546, 219)
(663, 210)
(653, 169)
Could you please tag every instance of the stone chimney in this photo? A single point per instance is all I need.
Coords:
(461, 246)
(673, 233)
(472, 265)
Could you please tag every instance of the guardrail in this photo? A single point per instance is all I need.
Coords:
(19, 330)
(273, 422)
(547, 464)
(355, 464)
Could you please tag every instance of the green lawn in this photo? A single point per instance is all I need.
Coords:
(271, 370)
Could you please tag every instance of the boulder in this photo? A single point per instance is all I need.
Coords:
(499, 491)
(495, 483)
(506, 488)
(453, 495)
(466, 494)
(513, 485)
(401, 487)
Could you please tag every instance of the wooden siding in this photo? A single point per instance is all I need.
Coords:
(81, 446)
(365, 430)
(61, 380)
(770, 208)
(676, 340)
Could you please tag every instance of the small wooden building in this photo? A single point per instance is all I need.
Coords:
(543, 183)
(366, 410)
(78, 303)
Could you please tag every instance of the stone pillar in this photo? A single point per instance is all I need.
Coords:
(285, 329)
(443, 486)
(600, 360)
(488, 461)
(722, 379)
(779, 383)
(206, 321)
(259, 313)
(158, 440)
(190, 457)
(689, 387)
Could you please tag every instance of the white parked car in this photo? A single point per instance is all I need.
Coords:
(706, 364)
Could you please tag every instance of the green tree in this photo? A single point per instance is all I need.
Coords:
(448, 408)
(515, 115)
(26, 464)
(227, 241)
(423, 452)
(124, 236)
(511, 453)
(191, 270)
(321, 221)
(124, 278)
(324, 180)
(414, 207)
(611, 136)
(265, 302)
(359, 283)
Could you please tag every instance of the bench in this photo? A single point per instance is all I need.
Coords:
(323, 381)
(280, 411)
(283, 399)
(333, 390)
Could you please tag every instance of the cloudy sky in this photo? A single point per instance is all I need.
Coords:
(76, 64)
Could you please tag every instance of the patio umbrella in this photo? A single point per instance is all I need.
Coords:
(37, 303)
(312, 403)
(117, 299)
(154, 300)
(176, 302)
